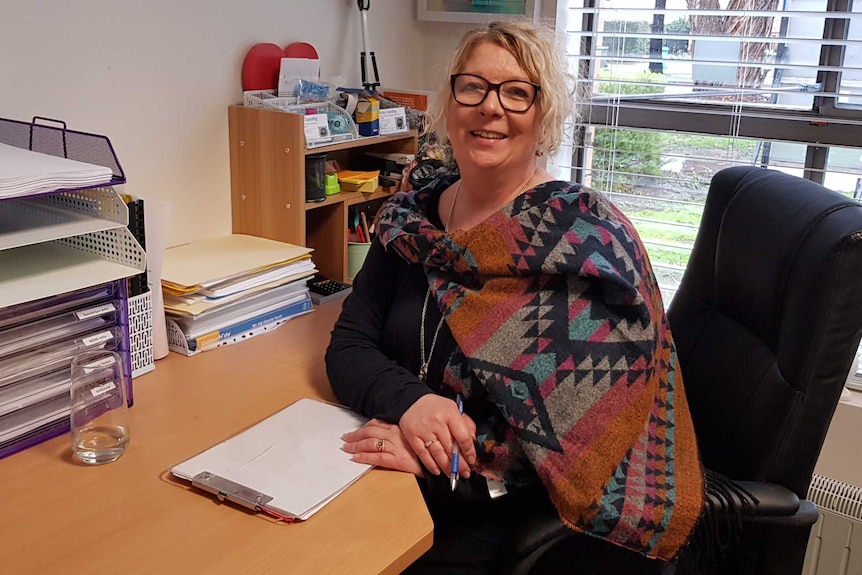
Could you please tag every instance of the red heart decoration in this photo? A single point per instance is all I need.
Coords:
(300, 50)
(262, 63)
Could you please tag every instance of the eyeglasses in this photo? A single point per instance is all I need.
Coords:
(515, 95)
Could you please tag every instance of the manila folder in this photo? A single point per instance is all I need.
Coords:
(290, 463)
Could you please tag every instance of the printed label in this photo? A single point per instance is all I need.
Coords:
(393, 121)
(104, 362)
(316, 128)
(95, 311)
(100, 337)
(98, 390)
(209, 338)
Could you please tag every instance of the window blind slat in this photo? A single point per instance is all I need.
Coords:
(724, 39)
(768, 65)
(647, 12)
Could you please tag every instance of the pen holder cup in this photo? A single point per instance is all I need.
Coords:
(315, 177)
(356, 253)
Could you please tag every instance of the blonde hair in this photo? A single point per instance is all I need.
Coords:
(535, 50)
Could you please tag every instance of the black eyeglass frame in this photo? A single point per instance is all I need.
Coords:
(494, 88)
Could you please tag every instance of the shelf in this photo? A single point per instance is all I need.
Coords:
(26, 222)
(360, 142)
(37, 271)
(351, 198)
(63, 242)
(267, 167)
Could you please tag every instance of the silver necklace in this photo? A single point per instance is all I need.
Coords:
(424, 361)
(423, 366)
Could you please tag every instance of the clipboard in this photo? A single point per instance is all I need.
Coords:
(288, 466)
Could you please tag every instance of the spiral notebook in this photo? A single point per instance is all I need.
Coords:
(288, 466)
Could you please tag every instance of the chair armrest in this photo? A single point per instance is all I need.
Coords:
(806, 516)
(772, 500)
(776, 505)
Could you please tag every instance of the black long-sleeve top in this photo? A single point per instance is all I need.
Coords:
(373, 356)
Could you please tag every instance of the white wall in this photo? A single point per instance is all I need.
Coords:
(441, 39)
(157, 76)
(841, 458)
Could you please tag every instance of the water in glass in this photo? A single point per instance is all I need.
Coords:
(99, 417)
(100, 443)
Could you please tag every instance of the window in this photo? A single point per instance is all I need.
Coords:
(672, 91)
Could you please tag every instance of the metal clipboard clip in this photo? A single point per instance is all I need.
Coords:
(225, 489)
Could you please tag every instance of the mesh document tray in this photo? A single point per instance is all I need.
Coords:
(57, 140)
(65, 239)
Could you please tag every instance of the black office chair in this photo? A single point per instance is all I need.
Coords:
(766, 321)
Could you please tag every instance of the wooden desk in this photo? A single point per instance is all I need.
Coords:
(60, 516)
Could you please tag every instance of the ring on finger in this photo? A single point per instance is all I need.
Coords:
(430, 442)
(381, 445)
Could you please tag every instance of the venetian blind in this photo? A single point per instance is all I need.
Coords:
(672, 91)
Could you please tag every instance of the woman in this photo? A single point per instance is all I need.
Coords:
(532, 299)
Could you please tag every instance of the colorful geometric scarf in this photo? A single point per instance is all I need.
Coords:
(565, 359)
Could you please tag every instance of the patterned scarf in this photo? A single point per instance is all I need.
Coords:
(565, 359)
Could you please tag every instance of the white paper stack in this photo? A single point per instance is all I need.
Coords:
(26, 173)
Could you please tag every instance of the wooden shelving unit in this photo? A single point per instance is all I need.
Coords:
(267, 166)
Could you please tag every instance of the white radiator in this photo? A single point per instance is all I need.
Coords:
(835, 546)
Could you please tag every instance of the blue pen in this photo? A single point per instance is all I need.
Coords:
(456, 457)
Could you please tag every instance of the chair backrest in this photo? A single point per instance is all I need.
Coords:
(767, 320)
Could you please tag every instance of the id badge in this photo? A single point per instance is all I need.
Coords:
(496, 488)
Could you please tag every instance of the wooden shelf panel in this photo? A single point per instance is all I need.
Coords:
(361, 142)
(362, 197)
(350, 198)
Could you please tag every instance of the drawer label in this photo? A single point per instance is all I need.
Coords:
(95, 311)
(100, 337)
(98, 390)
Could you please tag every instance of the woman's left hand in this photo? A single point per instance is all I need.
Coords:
(382, 444)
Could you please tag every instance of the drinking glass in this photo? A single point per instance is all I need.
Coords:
(99, 416)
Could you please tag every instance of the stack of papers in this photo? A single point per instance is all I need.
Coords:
(26, 173)
(225, 289)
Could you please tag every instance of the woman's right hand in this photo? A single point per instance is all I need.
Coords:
(432, 425)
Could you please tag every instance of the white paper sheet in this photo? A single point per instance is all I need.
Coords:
(26, 173)
(294, 456)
